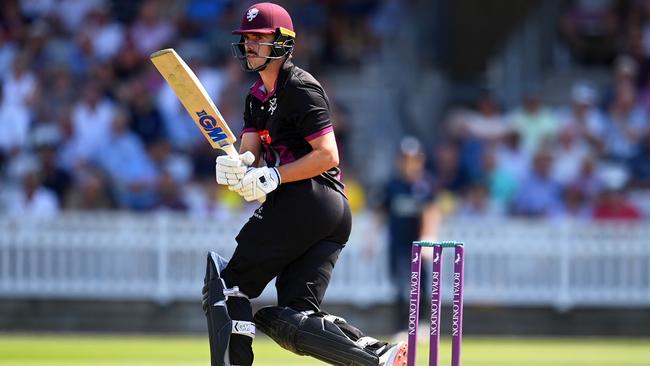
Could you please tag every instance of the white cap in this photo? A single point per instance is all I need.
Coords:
(583, 92)
(410, 146)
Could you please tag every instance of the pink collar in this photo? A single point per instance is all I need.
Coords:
(258, 91)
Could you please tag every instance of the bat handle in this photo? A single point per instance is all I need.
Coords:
(232, 152)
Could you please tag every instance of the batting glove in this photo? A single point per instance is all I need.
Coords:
(257, 183)
(230, 171)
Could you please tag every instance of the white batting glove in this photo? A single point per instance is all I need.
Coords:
(257, 183)
(230, 171)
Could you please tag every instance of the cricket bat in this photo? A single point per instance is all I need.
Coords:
(195, 99)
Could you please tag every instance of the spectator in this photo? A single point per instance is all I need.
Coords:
(169, 197)
(625, 124)
(477, 203)
(583, 116)
(21, 82)
(146, 120)
(52, 47)
(104, 35)
(91, 122)
(54, 177)
(132, 173)
(574, 203)
(501, 183)
(177, 164)
(639, 164)
(182, 131)
(89, 192)
(129, 62)
(625, 71)
(60, 91)
(73, 12)
(590, 28)
(534, 122)
(614, 205)
(70, 157)
(32, 199)
(568, 154)
(487, 124)
(8, 50)
(538, 195)
(511, 157)
(151, 32)
(588, 181)
(477, 131)
(14, 126)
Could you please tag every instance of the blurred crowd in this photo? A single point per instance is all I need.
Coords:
(580, 160)
(587, 158)
(87, 123)
(596, 31)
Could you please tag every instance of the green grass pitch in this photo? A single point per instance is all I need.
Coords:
(128, 350)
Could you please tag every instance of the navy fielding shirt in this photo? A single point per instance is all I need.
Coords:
(295, 112)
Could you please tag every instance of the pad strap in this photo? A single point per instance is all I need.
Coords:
(244, 328)
(331, 318)
(228, 292)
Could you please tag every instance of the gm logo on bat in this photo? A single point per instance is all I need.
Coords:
(209, 124)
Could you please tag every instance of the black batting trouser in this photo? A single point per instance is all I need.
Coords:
(296, 236)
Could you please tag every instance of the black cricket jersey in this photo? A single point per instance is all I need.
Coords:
(295, 112)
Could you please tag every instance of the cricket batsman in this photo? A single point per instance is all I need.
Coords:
(289, 160)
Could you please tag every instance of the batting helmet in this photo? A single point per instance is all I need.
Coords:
(265, 18)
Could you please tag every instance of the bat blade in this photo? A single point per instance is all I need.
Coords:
(195, 99)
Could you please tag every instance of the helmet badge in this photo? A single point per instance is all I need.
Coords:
(251, 14)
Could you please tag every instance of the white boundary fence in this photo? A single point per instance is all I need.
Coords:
(161, 257)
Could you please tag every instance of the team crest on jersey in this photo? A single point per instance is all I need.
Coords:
(251, 14)
(273, 104)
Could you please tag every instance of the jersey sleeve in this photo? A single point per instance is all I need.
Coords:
(248, 120)
(313, 112)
